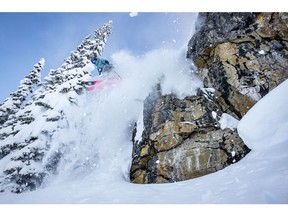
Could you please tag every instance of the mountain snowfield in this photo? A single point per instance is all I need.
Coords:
(95, 167)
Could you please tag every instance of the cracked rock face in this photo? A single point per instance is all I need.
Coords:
(182, 139)
(242, 55)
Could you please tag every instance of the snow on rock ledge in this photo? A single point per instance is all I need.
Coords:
(267, 120)
(228, 121)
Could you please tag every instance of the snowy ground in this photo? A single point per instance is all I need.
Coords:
(261, 177)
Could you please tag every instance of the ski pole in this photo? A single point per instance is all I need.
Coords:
(117, 74)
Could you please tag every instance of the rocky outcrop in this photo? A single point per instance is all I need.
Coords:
(242, 55)
(182, 139)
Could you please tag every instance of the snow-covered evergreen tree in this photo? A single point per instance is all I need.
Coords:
(17, 99)
(39, 145)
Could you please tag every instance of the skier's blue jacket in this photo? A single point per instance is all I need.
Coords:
(101, 64)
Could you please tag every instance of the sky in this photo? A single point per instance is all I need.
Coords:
(32, 31)
(28, 36)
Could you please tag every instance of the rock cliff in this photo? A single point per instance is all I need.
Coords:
(183, 139)
(240, 57)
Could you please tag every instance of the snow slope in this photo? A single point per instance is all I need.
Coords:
(95, 168)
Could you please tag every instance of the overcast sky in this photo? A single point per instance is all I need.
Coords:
(27, 37)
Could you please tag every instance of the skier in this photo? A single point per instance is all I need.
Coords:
(102, 65)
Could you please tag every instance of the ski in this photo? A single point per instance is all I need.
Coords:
(101, 83)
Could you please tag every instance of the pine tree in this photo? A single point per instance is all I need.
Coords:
(14, 103)
(39, 146)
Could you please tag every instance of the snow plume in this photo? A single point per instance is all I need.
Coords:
(169, 67)
(103, 125)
